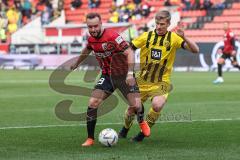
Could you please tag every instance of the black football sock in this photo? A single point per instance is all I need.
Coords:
(237, 66)
(235, 61)
(219, 70)
(91, 121)
(140, 114)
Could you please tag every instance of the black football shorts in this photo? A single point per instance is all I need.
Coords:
(109, 83)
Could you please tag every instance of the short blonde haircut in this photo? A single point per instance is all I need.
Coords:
(163, 15)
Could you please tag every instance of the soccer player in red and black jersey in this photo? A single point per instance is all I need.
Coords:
(228, 52)
(116, 59)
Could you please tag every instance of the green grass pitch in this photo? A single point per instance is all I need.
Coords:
(201, 121)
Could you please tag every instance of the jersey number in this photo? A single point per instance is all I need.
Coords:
(100, 81)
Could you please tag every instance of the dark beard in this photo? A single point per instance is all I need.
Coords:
(98, 35)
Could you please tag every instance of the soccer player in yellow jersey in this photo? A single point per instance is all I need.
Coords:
(157, 55)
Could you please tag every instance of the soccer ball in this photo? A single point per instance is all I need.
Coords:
(108, 137)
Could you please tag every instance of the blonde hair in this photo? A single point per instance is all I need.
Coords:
(163, 15)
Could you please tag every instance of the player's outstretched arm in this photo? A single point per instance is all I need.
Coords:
(84, 54)
(189, 45)
(130, 80)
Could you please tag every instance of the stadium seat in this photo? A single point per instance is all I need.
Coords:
(226, 19)
(216, 25)
(231, 12)
(195, 13)
(236, 6)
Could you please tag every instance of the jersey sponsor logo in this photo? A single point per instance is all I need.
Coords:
(156, 54)
(102, 54)
(109, 46)
(119, 39)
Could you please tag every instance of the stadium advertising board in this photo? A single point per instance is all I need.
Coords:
(49, 55)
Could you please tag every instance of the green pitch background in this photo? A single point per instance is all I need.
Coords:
(200, 121)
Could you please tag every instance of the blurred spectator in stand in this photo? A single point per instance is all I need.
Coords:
(18, 5)
(76, 4)
(130, 10)
(207, 4)
(137, 13)
(21, 11)
(119, 3)
(176, 2)
(3, 22)
(145, 9)
(54, 3)
(124, 14)
(220, 4)
(137, 2)
(5, 2)
(40, 6)
(13, 18)
(56, 14)
(93, 3)
(2, 7)
(60, 5)
(34, 7)
(114, 18)
(50, 9)
(130, 5)
(27, 11)
(187, 4)
(196, 5)
(19, 8)
(45, 16)
(167, 3)
(10, 3)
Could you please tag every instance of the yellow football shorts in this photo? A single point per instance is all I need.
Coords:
(150, 90)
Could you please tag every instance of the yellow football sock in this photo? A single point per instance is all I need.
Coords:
(128, 120)
(152, 117)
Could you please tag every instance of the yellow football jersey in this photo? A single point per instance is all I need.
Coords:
(157, 55)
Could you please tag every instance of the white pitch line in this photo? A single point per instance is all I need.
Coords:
(34, 81)
(117, 123)
(53, 126)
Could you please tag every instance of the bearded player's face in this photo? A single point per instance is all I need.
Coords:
(94, 27)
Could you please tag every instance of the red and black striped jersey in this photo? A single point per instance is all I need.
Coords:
(108, 50)
(229, 42)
